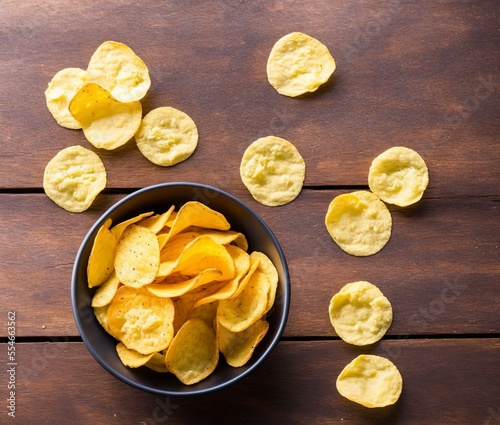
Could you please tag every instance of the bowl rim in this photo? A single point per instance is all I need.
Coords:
(76, 307)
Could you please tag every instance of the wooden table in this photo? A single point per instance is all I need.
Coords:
(422, 74)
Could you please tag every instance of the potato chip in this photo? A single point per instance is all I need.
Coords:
(119, 228)
(267, 267)
(117, 68)
(132, 358)
(106, 122)
(398, 176)
(171, 290)
(225, 237)
(193, 354)
(167, 136)
(102, 256)
(140, 320)
(371, 381)
(360, 313)
(74, 178)
(137, 256)
(238, 347)
(106, 292)
(273, 171)
(156, 223)
(359, 222)
(239, 313)
(298, 63)
(206, 312)
(157, 363)
(59, 93)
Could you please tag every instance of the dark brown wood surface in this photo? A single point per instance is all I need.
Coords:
(423, 74)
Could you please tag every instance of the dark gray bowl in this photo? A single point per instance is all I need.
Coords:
(159, 198)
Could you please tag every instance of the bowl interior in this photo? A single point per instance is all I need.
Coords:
(159, 198)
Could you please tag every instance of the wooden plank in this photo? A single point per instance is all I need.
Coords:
(421, 74)
(448, 381)
(440, 269)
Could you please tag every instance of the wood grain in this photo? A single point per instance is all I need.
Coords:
(440, 268)
(402, 79)
(443, 380)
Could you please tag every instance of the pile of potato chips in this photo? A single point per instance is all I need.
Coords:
(178, 288)
(104, 101)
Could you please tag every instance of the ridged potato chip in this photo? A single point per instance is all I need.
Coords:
(137, 256)
(73, 178)
(360, 313)
(398, 176)
(298, 63)
(120, 71)
(359, 222)
(106, 122)
(167, 136)
(59, 93)
(140, 320)
(238, 347)
(273, 171)
(371, 381)
(193, 354)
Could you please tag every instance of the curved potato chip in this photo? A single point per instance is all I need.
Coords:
(359, 222)
(239, 313)
(106, 122)
(273, 171)
(298, 63)
(102, 256)
(193, 354)
(238, 347)
(360, 313)
(61, 89)
(167, 136)
(104, 295)
(156, 223)
(119, 228)
(157, 363)
(398, 176)
(371, 381)
(171, 290)
(206, 312)
(132, 358)
(73, 178)
(137, 256)
(267, 267)
(117, 68)
(225, 237)
(140, 320)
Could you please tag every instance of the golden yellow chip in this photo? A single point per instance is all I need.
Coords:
(119, 228)
(104, 295)
(267, 267)
(239, 313)
(273, 171)
(360, 313)
(371, 381)
(106, 122)
(120, 71)
(157, 363)
(137, 256)
(193, 354)
(140, 320)
(298, 63)
(398, 176)
(73, 178)
(177, 289)
(238, 347)
(167, 136)
(102, 256)
(61, 89)
(132, 358)
(359, 222)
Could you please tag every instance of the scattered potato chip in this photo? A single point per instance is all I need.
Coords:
(238, 347)
(73, 178)
(117, 68)
(360, 313)
(61, 89)
(137, 256)
(140, 320)
(102, 256)
(398, 176)
(359, 222)
(273, 171)
(298, 63)
(132, 358)
(106, 122)
(167, 136)
(371, 381)
(193, 354)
